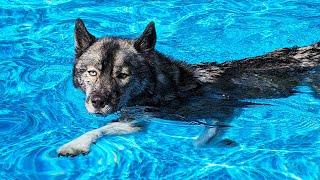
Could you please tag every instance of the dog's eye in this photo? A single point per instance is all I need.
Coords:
(92, 72)
(82, 70)
(122, 75)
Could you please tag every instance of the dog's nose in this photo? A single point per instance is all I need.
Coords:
(98, 101)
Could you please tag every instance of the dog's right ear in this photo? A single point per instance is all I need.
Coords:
(83, 39)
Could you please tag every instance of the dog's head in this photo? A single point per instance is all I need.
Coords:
(111, 71)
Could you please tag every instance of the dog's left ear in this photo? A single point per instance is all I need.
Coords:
(147, 41)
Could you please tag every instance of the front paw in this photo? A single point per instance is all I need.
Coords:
(74, 148)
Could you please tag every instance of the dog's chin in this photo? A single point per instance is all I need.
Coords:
(101, 111)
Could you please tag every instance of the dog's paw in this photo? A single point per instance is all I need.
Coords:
(228, 142)
(74, 148)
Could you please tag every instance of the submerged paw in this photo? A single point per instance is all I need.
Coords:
(229, 142)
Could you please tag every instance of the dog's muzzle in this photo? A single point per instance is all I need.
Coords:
(98, 104)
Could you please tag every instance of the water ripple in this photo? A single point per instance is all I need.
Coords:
(40, 109)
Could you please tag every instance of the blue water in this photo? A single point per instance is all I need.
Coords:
(40, 109)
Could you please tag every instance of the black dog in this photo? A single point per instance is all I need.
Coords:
(117, 73)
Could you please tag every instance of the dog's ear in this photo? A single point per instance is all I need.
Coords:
(147, 41)
(83, 39)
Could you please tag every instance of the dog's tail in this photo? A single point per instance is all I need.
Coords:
(305, 62)
(309, 57)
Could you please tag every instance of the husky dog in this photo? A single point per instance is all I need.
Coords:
(119, 74)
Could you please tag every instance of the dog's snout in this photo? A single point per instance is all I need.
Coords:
(98, 101)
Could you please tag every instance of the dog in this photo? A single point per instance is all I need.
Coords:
(131, 76)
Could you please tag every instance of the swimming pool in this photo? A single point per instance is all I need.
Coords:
(40, 109)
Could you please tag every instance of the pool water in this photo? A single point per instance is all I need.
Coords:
(40, 109)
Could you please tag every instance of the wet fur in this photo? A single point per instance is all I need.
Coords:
(179, 91)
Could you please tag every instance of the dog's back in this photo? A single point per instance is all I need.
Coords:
(275, 74)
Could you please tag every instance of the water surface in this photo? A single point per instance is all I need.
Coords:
(41, 110)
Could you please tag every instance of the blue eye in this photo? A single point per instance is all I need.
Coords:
(92, 72)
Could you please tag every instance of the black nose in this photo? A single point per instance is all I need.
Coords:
(98, 101)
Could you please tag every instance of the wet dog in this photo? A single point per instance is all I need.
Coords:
(119, 74)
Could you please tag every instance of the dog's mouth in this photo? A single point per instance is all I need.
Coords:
(103, 109)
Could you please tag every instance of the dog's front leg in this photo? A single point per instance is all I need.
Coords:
(81, 145)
